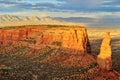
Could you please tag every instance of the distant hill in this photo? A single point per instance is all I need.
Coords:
(93, 21)
(8, 20)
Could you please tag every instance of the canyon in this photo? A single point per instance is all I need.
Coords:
(73, 38)
(53, 52)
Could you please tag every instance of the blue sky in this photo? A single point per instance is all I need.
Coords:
(98, 9)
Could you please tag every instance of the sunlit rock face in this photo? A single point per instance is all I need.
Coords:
(23, 33)
(48, 38)
(76, 39)
(104, 58)
(72, 38)
(10, 36)
(16, 35)
(6, 37)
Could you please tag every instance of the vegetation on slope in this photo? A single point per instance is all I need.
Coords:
(15, 65)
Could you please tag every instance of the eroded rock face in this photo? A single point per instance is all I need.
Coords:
(10, 36)
(6, 37)
(76, 39)
(48, 38)
(16, 35)
(104, 58)
(73, 38)
(69, 38)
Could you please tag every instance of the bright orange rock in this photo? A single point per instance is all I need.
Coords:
(1, 37)
(76, 39)
(6, 37)
(104, 58)
(73, 38)
(48, 38)
(16, 35)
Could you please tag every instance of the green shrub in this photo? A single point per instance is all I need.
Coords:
(57, 43)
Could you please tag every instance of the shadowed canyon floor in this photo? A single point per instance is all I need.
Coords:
(52, 53)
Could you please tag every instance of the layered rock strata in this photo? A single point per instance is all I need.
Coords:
(104, 58)
(71, 38)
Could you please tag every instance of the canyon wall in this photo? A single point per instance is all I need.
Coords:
(76, 38)
(71, 38)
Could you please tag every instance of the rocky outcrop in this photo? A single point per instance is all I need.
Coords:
(104, 58)
(71, 38)
(5, 36)
(10, 36)
(48, 38)
(76, 39)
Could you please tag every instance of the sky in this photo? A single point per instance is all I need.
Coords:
(100, 10)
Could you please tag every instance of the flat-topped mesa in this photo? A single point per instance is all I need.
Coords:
(76, 39)
(104, 58)
(70, 38)
(9, 36)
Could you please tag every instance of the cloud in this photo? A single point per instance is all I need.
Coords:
(85, 3)
(93, 12)
(10, 5)
(59, 6)
(64, 5)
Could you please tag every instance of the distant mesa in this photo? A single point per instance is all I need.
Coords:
(9, 20)
(71, 38)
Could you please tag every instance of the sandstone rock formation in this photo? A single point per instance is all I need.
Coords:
(71, 38)
(59, 54)
(104, 58)
(5, 36)
(10, 36)
(76, 39)
(48, 38)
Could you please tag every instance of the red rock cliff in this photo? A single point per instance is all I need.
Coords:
(73, 38)
(76, 38)
(104, 58)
